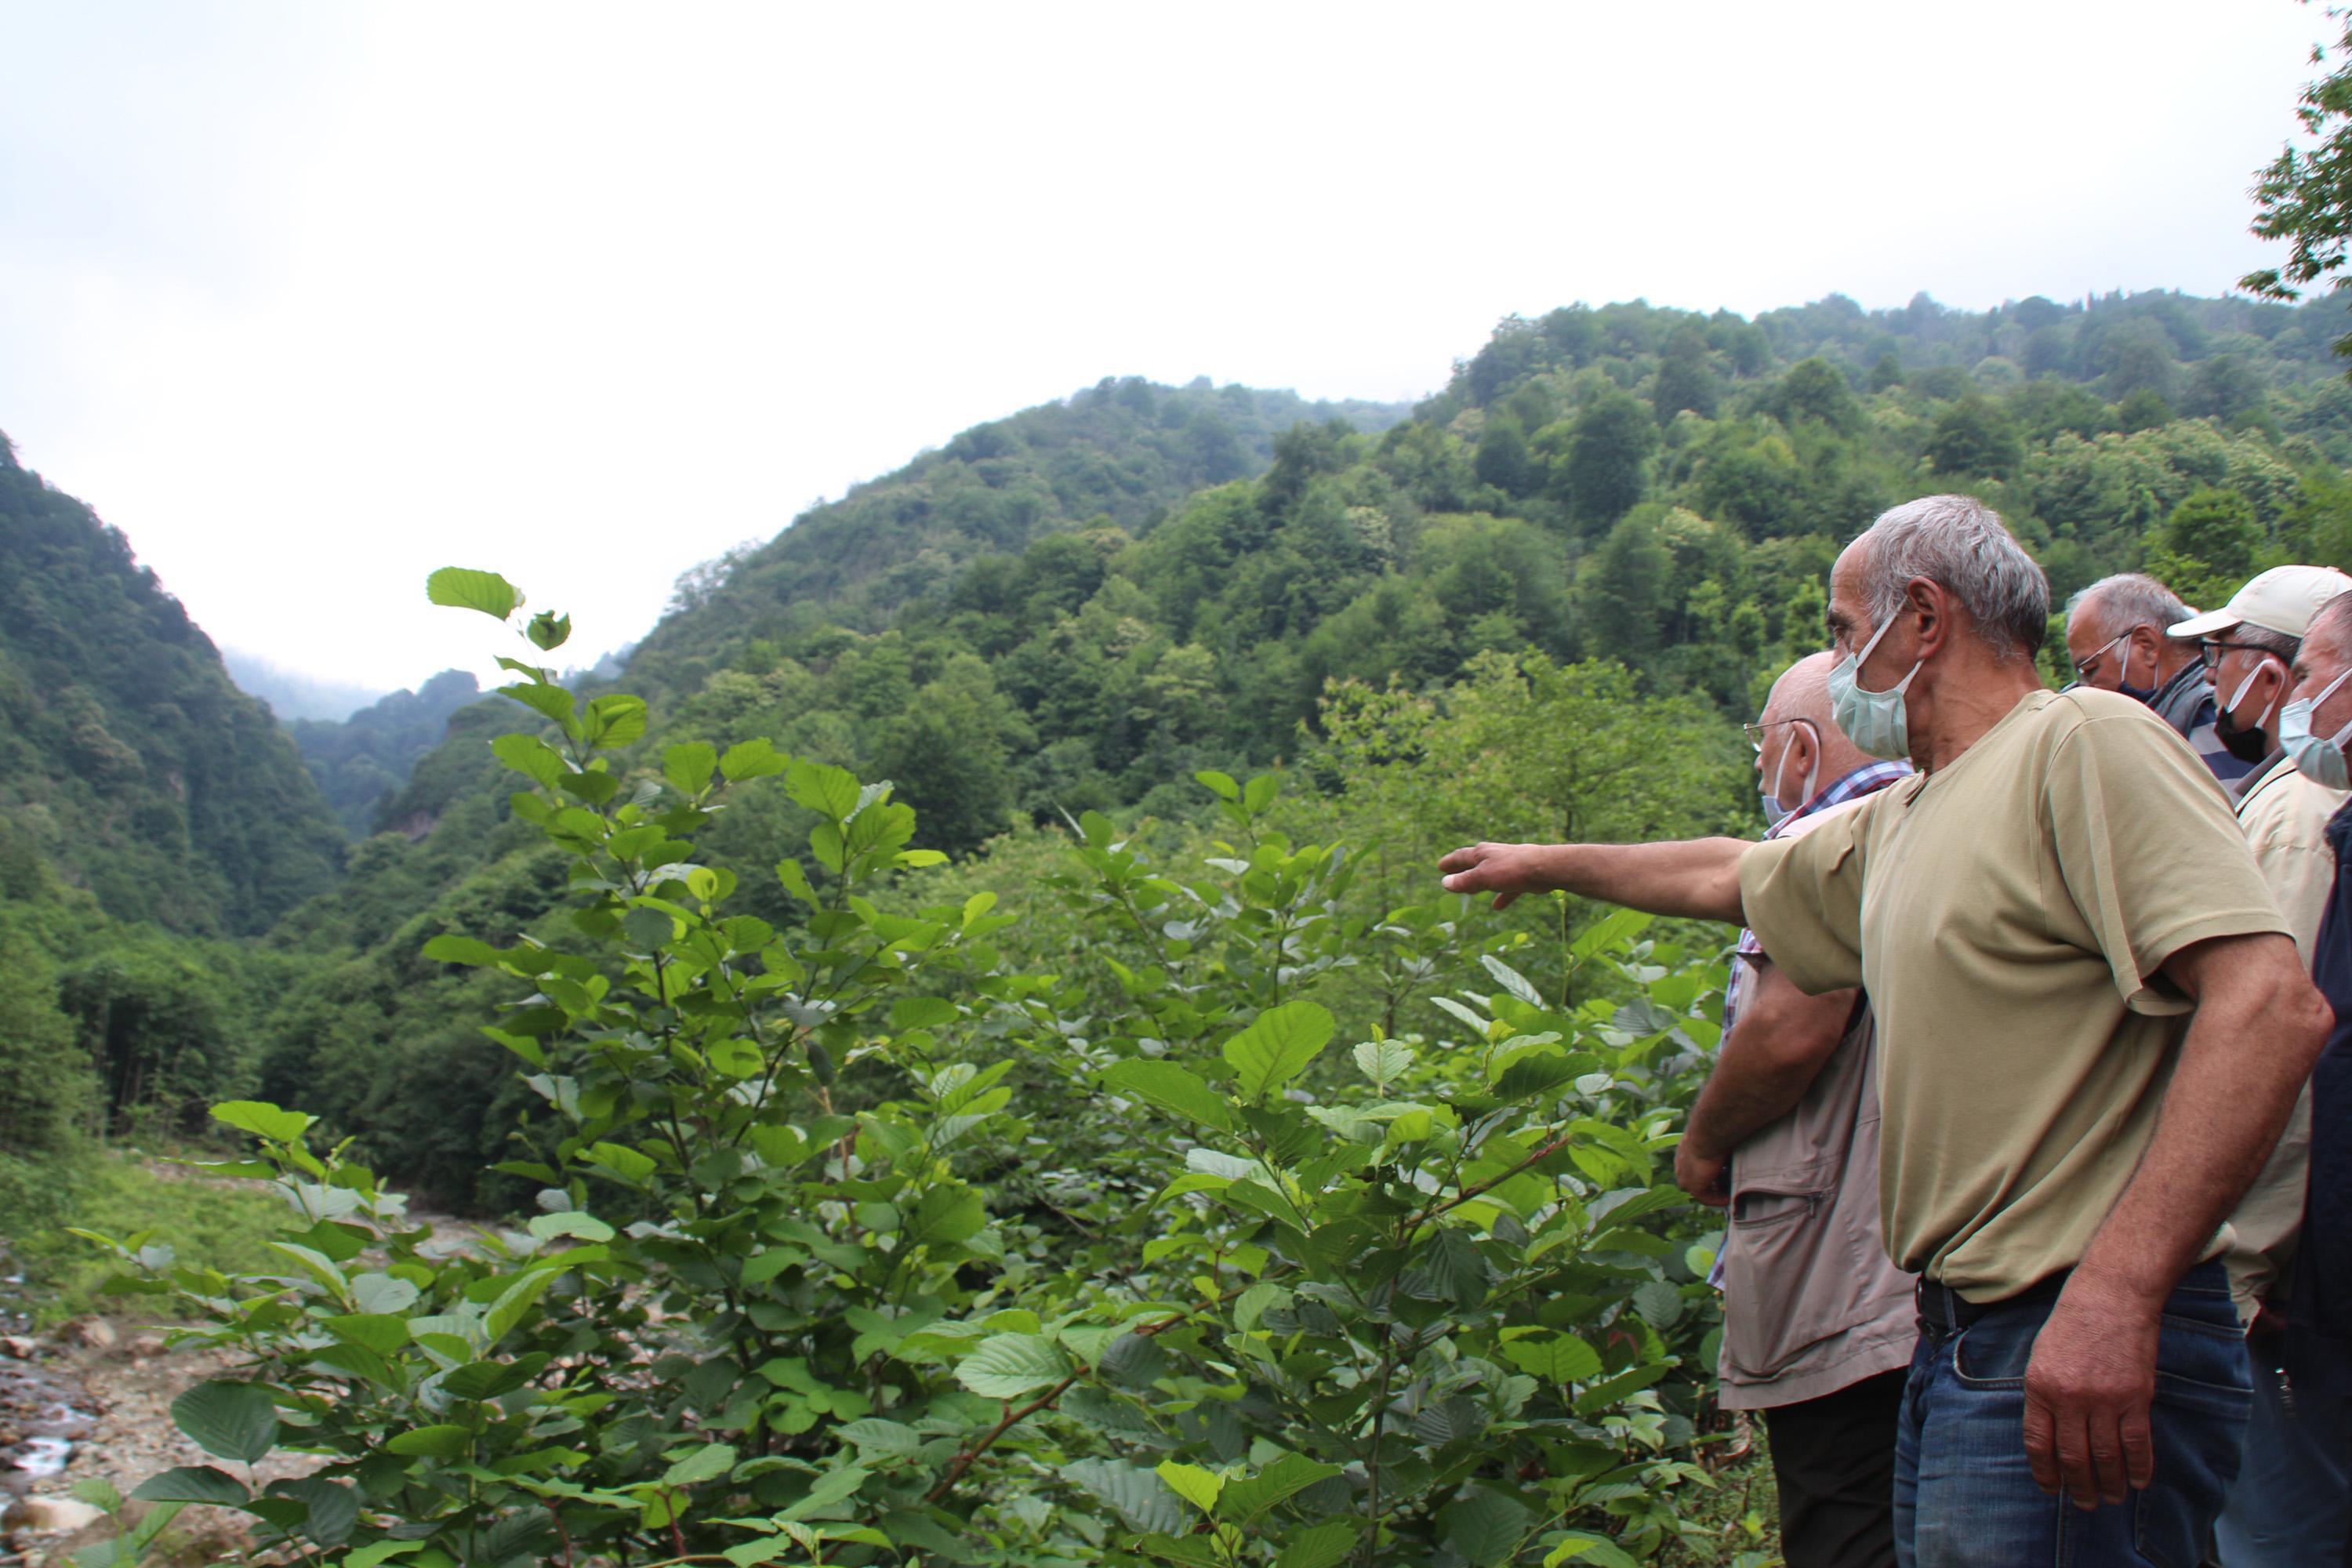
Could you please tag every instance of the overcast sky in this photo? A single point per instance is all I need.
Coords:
(309, 300)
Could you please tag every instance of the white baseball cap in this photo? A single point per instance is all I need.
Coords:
(2282, 600)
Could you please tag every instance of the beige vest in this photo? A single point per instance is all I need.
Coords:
(1810, 1302)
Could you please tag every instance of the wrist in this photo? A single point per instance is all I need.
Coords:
(2119, 1292)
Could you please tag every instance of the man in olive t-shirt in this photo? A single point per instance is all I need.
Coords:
(2092, 1026)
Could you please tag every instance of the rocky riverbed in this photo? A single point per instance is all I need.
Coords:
(94, 1401)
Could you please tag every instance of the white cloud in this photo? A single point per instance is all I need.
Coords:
(309, 306)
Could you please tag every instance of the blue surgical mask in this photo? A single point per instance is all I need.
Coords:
(2316, 758)
(1873, 721)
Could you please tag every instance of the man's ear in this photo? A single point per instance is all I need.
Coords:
(1935, 610)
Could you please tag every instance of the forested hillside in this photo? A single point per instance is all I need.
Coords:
(1653, 488)
(916, 966)
(359, 760)
(127, 758)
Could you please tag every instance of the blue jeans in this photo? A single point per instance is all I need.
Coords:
(1964, 1494)
(2292, 1505)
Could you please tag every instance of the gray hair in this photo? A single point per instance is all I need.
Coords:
(2132, 599)
(1960, 544)
(2265, 640)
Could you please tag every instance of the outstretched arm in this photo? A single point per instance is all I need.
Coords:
(1695, 877)
(2258, 1029)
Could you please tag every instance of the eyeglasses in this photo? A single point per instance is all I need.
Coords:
(2212, 650)
(2082, 665)
(1755, 732)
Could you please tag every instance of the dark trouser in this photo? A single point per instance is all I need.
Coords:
(2292, 1505)
(1834, 1464)
(1964, 1494)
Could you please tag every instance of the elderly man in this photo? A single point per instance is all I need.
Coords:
(2314, 1351)
(2289, 1504)
(2093, 1026)
(1818, 1323)
(2116, 629)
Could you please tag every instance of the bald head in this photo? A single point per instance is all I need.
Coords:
(1815, 750)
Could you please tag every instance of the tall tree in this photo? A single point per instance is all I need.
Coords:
(2305, 196)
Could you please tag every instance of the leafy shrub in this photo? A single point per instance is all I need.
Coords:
(856, 1244)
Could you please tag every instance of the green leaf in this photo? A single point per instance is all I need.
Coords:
(1172, 1088)
(1220, 784)
(615, 720)
(1136, 1494)
(544, 696)
(755, 759)
(98, 1493)
(648, 929)
(548, 630)
(1259, 793)
(832, 1488)
(228, 1420)
(1383, 1061)
(1316, 1546)
(704, 1463)
(461, 588)
(571, 1223)
(1485, 1527)
(626, 1164)
(262, 1119)
(330, 1508)
(1244, 1500)
(1196, 1486)
(439, 1442)
(822, 788)
(881, 1436)
(466, 950)
(946, 1214)
(193, 1483)
(1006, 1367)
(689, 766)
(376, 1554)
(1599, 1551)
(509, 1309)
(378, 1332)
(531, 757)
(1278, 1047)
(1554, 1358)
(488, 1379)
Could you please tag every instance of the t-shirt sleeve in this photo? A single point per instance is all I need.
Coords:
(2150, 853)
(1803, 898)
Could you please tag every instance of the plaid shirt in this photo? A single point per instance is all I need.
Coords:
(1867, 779)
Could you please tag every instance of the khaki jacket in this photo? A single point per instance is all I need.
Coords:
(1810, 1302)
(2285, 815)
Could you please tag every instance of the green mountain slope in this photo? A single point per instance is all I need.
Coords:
(1655, 489)
(359, 760)
(1123, 450)
(127, 758)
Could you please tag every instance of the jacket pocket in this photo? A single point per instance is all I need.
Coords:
(1772, 1250)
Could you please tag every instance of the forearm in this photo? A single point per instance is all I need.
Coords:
(1743, 1096)
(1698, 878)
(1781, 1041)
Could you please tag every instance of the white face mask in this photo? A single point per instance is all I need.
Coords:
(2320, 761)
(2243, 686)
(1875, 721)
(1774, 812)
